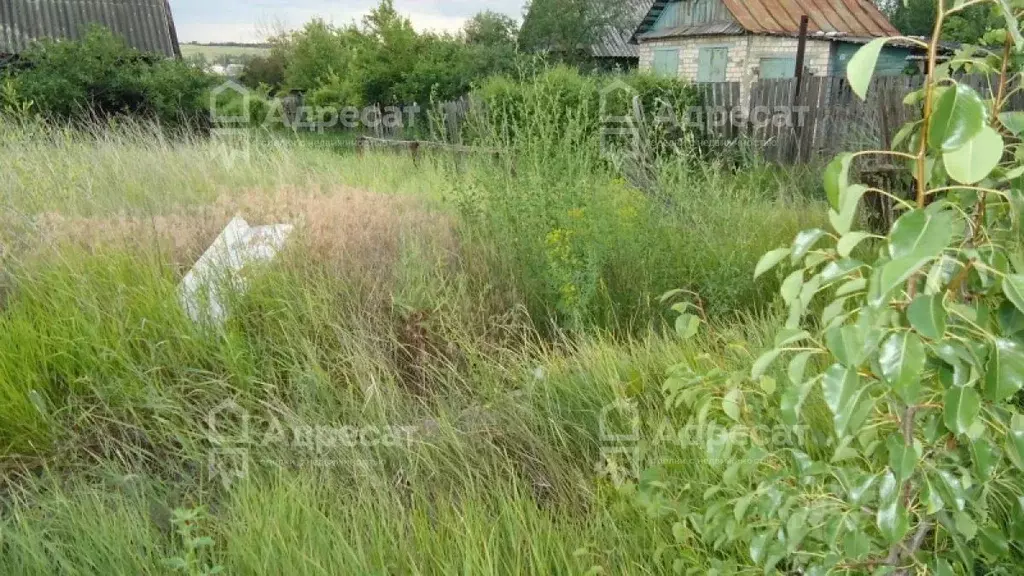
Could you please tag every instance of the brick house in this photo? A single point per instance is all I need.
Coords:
(747, 40)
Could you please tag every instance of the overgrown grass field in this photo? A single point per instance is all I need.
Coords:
(426, 381)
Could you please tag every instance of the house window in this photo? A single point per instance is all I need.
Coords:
(711, 64)
(666, 62)
(784, 67)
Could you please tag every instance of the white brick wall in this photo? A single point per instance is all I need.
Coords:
(745, 53)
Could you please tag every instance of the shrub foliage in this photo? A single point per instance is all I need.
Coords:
(917, 356)
(100, 77)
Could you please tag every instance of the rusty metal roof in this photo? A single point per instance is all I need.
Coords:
(838, 17)
(145, 24)
(830, 18)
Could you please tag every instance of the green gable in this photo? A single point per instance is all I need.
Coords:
(690, 13)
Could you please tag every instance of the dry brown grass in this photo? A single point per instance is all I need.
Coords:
(354, 231)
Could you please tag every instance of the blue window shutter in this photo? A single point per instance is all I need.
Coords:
(666, 62)
(778, 68)
(711, 64)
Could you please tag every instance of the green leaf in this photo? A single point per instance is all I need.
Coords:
(904, 133)
(975, 160)
(1013, 121)
(1011, 320)
(861, 67)
(984, 458)
(1011, 22)
(796, 529)
(833, 310)
(797, 366)
(1015, 446)
(679, 532)
(921, 233)
(891, 517)
(902, 360)
(850, 241)
(791, 286)
(942, 568)
(927, 315)
(1004, 375)
(993, 542)
(763, 362)
(931, 498)
(785, 337)
(792, 401)
(962, 406)
(958, 117)
(855, 285)
(902, 458)
(687, 326)
(1013, 288)
(757, 548)
(859, 492)
(847, 344)
(856, 544)
(740, 510)
(731, 404)
(965, 525)
(804, 242)
(837, 178)
(849, 199)
(843, 389)
(894, 274)
(770, 260)
(950, 489)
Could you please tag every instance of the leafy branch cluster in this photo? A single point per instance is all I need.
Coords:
(914, 343)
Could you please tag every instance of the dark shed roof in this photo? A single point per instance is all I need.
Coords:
(145, 24)
(616, 43)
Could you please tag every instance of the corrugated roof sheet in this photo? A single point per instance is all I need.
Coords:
(833, 18)
(846, 17)
(145, 24)
(617, 43)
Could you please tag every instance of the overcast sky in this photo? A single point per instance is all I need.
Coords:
(250, 20)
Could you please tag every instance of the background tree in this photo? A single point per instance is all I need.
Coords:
(489, 28)
(917, 18)
(568, 28)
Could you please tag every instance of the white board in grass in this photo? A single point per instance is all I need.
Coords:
(221, 267)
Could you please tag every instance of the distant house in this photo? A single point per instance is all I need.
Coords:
(144, 24)
(614, 46)
(747, 40)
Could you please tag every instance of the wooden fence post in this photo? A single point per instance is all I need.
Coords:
(801, 47)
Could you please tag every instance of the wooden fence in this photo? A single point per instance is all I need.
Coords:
(825, 118)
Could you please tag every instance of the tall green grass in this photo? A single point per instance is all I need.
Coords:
(494, 309)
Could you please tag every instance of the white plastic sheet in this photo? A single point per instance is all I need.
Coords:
(220, 267)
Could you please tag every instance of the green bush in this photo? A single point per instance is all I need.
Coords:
(100, 76)
(588, 241)
(508, 102)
